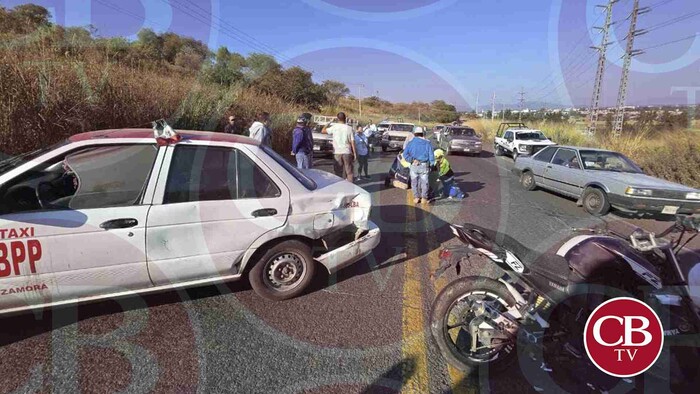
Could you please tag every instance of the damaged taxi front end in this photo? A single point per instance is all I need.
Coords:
(336, 217)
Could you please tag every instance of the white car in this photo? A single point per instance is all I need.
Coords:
(396, 135)
(517, 142)
(118, 212)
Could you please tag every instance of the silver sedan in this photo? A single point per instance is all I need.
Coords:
(602, 180)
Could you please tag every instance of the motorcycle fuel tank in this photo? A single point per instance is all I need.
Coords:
(594, 258)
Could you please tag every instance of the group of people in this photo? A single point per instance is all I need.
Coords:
(259, 130)
(422, 158)
(349, 146)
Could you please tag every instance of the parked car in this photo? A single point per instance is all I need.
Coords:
(117, 212)
(395, 136)
(602, 180)
(461, 139)
(520, 141)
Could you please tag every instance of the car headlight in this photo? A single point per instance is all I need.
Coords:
(522, 148)
(633, 191)
(693, 196)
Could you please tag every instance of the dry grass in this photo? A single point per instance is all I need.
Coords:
(671, 155)
(46, 97)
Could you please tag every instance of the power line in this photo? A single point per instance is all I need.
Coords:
(669, 43)
(672, 21)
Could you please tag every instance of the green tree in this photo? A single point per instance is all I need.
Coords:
(258, 64)
(334, 90)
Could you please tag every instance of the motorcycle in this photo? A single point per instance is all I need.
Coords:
(541, 314)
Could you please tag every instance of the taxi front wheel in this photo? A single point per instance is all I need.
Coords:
(284, 271)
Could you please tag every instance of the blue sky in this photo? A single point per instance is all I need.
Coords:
(427, 49)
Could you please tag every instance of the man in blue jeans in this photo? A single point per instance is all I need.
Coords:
(419, 152)
(302, 141)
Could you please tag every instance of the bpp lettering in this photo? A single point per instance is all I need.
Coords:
(15, 254)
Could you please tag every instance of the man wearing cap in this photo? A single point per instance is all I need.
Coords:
(419, 152)
(302, 141)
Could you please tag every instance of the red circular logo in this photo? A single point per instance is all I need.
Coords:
(623, 337)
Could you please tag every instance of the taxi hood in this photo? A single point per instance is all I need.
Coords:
(335, 202)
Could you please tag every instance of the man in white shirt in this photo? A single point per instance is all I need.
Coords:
(343, 147)
(259, 129)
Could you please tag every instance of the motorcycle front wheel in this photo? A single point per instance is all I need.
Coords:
(449, 325)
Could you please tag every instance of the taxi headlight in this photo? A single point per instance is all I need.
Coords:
(693, 196)
(522, 148)
(633, 191)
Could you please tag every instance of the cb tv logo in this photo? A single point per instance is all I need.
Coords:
(623, 337)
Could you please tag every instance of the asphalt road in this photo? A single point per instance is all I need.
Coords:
(362, 330)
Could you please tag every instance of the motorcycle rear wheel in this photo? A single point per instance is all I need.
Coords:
(451, 344)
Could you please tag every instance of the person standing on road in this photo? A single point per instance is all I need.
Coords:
(419, 153)
(302, 144)
(343, 147)
(260, 130)
(371, 134)
(362, 148)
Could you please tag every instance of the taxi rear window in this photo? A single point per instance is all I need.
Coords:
(295, 172)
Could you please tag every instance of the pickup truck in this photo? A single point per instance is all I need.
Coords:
(516, 139)
(396, 135)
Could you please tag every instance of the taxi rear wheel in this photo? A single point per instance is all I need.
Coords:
(284, 271)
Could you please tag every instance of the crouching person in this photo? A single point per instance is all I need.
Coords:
(445, 173)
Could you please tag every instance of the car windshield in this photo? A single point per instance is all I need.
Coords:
(531, 136)
(401, 127)
(300, 176)
(608, 161)
(11, 163)
(463, 131)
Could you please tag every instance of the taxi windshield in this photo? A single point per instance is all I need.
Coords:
(10, 163)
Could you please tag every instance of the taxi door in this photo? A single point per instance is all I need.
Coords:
(74, 226)
(210, 205)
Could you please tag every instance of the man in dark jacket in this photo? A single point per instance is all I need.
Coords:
(302, 142)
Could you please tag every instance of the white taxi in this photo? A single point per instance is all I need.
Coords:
(120, 212)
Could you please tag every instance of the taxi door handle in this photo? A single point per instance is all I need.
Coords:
(119, 223)
(264, 212)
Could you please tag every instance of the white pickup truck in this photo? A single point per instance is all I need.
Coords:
(516, 139)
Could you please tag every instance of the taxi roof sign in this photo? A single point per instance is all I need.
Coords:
(164, 134)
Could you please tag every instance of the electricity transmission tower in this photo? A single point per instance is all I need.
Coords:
(630, 52)
(493, 106)
(600, 74)
(522, 104)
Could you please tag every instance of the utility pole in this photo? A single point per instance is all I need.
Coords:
(522, 104)
(493, 106)
(477, 104)
(630, 52)
(359, 91)
(602, 59)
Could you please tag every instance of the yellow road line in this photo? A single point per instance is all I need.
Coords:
(413, 345)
